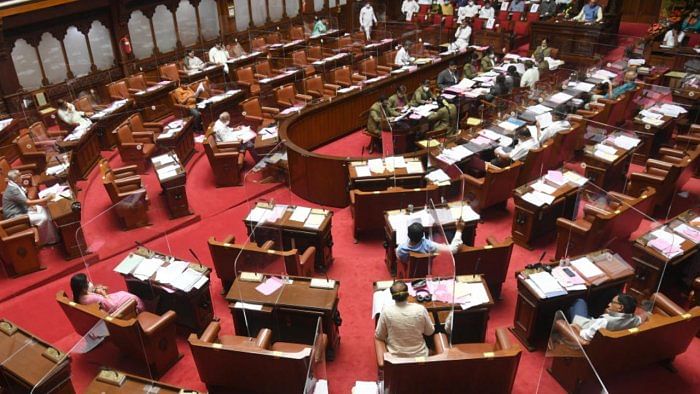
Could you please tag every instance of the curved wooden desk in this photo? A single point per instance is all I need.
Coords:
(323, 179)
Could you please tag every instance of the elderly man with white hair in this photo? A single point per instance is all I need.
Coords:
(15, 202)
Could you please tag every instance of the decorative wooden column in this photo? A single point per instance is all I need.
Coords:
(85, 30)
(35, 45)
(149, 14)
(284, 10)
(69, 72)
(267, 8)
(250, 14)
(172, 7)
(195, 4)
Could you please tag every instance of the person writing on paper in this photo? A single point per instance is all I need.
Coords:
(488, 61)
(629, 84)
(399, 99)
(408, 8)
(591, 12)
(219, 55)
(518, 149)
(548, 8)
(673, 37)
(444, 119)
(487, 12)
(16, 202)
(379, 112)
(517, 6)
(417, 243)
(469, 10)
(224, 133)
(69, 115)
(192, 62)
(499, 88)
(692, 22)
(462, 35)
(619, 315)
(402, 57)
(367, 20)
(403, 324)
(85, 293)
(423, 94)
(469, 70)
(530, 76)
(448, 77)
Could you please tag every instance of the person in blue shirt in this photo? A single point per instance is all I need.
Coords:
(590, 13)
(417, 243)
(517, 6)
(629, 84)
(692, 22)
(320, 27)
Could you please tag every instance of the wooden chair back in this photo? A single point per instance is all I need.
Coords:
(169, 72)
(491, 260)
(118, 90)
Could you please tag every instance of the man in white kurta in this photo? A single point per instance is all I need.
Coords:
(402, 57)
(219, 55)
(367, 20)
(467, 11)
(16, 202)
(68, 114)
(402, 325)
(462, 35)
(408, 8)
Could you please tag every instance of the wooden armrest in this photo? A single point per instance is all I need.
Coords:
(253, 117)
(126, 310)
(15, 221)
(153, 125)
(653, 163)
(268, 245)
(491, 240)
(271, 110)
(166, 320)
(384, 68)
(130, 169)
(314, 92)
(623, 197)
(579, 227)
(131, 90)
(585, 112)
(665, 304)
(124, 194)
(595, 211)
(259, 76)
(473, 181)
(331, 86)
(26, 233)
(134, 179)
(502, 339)
(228, 239)
(245, 83)
(211, 333)
(358, 77)
(569, 332)
(303, 97)
(264, 338)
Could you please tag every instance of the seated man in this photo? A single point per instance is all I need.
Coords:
(224, 133)
(184, 95)
(15, 202)
(85, 293)
(541, 52)
(219, 55)
(320, 27)
(423, 95)
(618, 316)
(531, 75)
(235, 50)
(417, 243)
(548, 8)
(591, 12)
(398, 100)
(448, 77)
(630, 83)
(378, 112)
(69, 115)
(487, 12)
(468, 10)
(517, 6)
(517, 150)
(402, 325)
(402, 57)
(470, 67)
(445, 118)
(192, 62)
(488, 61)
(462, 36)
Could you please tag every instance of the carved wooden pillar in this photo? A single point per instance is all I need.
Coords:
(149, 14)
(267, 7)
(61, 37)
(9, 83)
(250, 15)
(44, 80)
(120, 28)
(85, 30)
(284, 10)
(200, 39)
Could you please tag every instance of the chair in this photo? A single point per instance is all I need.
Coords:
(135, 147)
(227, 164)
(258, 44)
(297, 33)
(273, 38)
(19, 246)
(171, 72)
(26, 171)
(268, 367)
(535, 163)
(146, 337)
(207, 90)
(263, 69)
(495, 188)
(39, 132)
(83, 104)
(137, 82)
(30, 154)
(316, 88)
(388, 58)
(417, 266)
(618, 106)
(667, 334)
(299, 60)
(231, 258)
(287, 96)
(461, 368)
(246, 77)
(256, 114)
(315, 52)
(137, 125)
(662, 176)
(369, 68)
(125, 189)
(491, 260)
(118, 90)
(599, 226)
(343, 76)
(521, 33)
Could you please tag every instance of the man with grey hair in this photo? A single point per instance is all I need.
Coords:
(15, 202)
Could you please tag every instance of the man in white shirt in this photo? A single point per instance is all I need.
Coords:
(224, 133)
(402, 57)
(467, 11)
(69, 115)
(408, 8)
(462, 35)
(367, 19)
(402, 325)
(487, 12)
(591, 12)
(192, 62)
(531, 75)
(219, 55)
(673, 37)
(619, 315)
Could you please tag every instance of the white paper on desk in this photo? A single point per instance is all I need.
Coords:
(438, 176)
(128, 264)
(584, 86)
(575, 178)
(248, 306)
(314, 220)
(376, 165)
(604, 74)
(560, 98)
(460, 152)
(545, 119)
(168, 172)
(673, 239)
(187, 280)
(363, 387)
(539, 109)
(56, 189)
(533, 199)
(605, 156)
(543, 187)
(396, 161)
(492, 135)
(201, 282)
(653, 121)
(508, 126)
(465, 83)
(505, 141)
(547, 284)
(258, 214)
(645, 113)
(625, 142)
(414, 167)
(637, 62)
(300, 214)
(586, 268)
(471, 294)
(606, 149)
(147, 268)
(362, 171)
(379, 300)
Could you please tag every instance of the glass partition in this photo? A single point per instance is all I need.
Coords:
(317, 378)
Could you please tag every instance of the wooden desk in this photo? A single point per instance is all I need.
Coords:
(65, 213)
(294, 235)
(103, 384)
(30, 364)
(212, 107)
(288, 76)
(154, 102)
(241, 61)
(532, 321)
(382, 180)
(609, 175)
(674, 58)
(194, 307)
(179, 138)
(496, 39)
(390, 242)
(322, 178)
(280, 52)
(531, 221)
(106, 120)
(577, 42)
(650, 263)
(323, 66)
(172, 178)
(85, 152)
(652, 138)
(215, 73)
(476, 316)
(291, 312)
(9, 130)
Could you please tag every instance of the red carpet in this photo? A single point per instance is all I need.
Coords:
(356, 266)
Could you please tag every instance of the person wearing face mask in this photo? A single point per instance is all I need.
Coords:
(422, 95)
(619, 315)
(591, 12)
(367, 20)
(445, 118)
(470, 68)
(408, 8)
(487, 12)
(548, 8)
(462, 35)
(398, 100)
(469, 10)
(488, 61)
(692, 22)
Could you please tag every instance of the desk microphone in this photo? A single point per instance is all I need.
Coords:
(541, 257)
(476, 266)
(196, 258)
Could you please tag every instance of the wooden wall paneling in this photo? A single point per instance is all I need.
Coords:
(641, 11)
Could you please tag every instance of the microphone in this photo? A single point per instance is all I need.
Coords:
(196, 258)
(476, 266)
(542, 256)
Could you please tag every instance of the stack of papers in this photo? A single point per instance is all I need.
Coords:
(169, 274)
(605, 152)
(464, 212)
(560, 98)
(189, 279)
(589, 271)
(538, 109)
(258, 214)
(538, 198)
(127, 265)
(556, 177)
(314, 220)
(688, 232)
(271, 285)
(146, 268)
(575, 178)
(454, 154)
(376, 166)
(362, 171)
(414, 167)
(613, 265)
(543, 188)
(669, 244)
(545, 285)
(438, 177)
(626, 142)
(469, 295)
(584, 86)
(570, 283)
(300, 214)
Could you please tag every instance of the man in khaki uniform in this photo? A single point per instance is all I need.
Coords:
(377, 112)
(422, 95)
(398, 100)
(445, 118)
